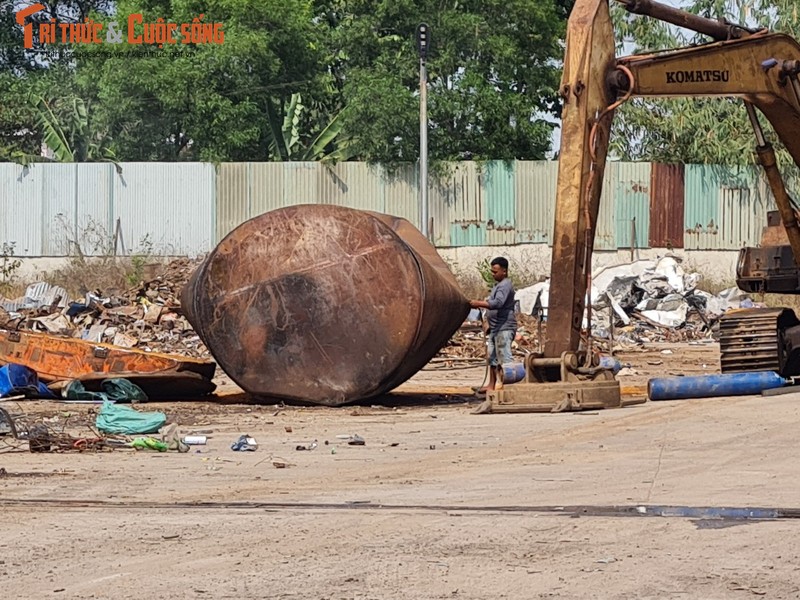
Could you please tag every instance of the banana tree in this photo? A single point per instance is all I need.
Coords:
(286, 141)
(67, 134)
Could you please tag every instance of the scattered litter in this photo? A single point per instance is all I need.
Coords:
(356, 440)
(245, 443)
(20, 380)
(115, 418)
(149, 443)
(311, 446)
(195, 440)
(288, 429)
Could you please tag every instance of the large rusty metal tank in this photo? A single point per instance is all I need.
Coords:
(323, 304)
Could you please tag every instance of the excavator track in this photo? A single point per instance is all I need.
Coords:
(750, 341)
(753, 340)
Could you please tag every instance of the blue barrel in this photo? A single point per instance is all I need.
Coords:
(710, 386)
(611, 363)
(513, 372)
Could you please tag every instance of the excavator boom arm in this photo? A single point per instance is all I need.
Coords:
(759, 67)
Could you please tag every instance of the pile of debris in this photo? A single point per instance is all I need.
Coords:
(147, 317)
(469, 342)
(646, 301)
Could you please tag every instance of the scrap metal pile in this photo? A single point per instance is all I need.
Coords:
(647, 301)
(469, 343)
(147, 317)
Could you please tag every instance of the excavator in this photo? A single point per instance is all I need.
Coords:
(759, 67)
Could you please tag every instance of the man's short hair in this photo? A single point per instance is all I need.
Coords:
(502, 262)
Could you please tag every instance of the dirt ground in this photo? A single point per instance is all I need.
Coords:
(438, 503)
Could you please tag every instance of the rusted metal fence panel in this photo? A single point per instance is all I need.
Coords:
(189, 207)
(457, 200)
(267, 188)
(725, 207)
(352, 184)
(605, 230)
(400, 196)
(59, 227)
(93, 215)
(666, 205)
(743, 209)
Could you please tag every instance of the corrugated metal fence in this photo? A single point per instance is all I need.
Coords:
(186, 208)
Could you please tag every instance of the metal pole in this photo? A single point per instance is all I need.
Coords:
(423, 146)
(422, 46)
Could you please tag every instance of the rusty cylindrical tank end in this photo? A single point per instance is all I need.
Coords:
(323, 304)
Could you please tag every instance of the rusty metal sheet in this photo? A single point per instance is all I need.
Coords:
(323, 304)
(666, 205)
(774, 233)
(58, 358)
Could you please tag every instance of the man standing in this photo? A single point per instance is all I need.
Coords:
(502, 320)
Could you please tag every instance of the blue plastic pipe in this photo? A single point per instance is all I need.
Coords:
(711, 386)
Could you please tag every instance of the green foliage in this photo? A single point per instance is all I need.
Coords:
(688, 130)
(491, 71)
(26, 76)
(286, 141)
(65, 129)
(9, 265)
(293, 80)
(514, 274)
(210, 101)
(485, 269)
(138, 261)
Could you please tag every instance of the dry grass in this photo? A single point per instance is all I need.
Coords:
(526, 271)
(108, 275)
(94, 265)
(715, 286)
(779, 300)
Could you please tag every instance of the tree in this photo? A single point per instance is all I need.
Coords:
(687, 130)
(71, 138)
(286, 139)
(209, 101)
(27, 75)
(492, 69)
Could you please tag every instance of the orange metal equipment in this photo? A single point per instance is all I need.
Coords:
(161, 376)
